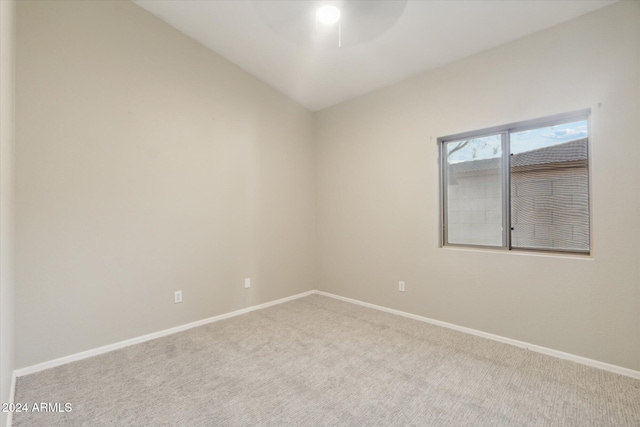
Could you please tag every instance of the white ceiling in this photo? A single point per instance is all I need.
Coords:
(426, 35)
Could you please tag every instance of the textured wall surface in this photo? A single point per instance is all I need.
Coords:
(7, 283)
(378, 195)
(147, 164)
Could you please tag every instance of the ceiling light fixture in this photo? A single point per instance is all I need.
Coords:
(318, 23)
(328, 14)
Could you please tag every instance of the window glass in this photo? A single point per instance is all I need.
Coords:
(474, 191)
(550, 188)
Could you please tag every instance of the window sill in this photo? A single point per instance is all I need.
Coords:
(521, 252)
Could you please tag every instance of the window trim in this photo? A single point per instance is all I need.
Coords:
(505, 131)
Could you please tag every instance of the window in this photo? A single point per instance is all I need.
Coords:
(520, 186)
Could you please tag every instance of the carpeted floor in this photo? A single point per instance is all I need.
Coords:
(320, 361)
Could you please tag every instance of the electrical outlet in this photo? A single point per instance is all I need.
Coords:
(401, 286)
(247, 283)
(177, 297)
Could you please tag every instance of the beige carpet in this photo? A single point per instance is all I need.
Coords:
(319, 361)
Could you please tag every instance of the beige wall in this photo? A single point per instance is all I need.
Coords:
(377, 187)
(7, 63)
(147, 164)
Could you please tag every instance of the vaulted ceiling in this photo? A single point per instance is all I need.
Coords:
(376, 43)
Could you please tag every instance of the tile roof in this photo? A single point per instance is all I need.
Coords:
(560, 153)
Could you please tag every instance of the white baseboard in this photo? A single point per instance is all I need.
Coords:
(105, 349)
(539, 349)
(115, 346)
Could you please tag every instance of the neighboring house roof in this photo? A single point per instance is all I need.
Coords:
(561, 153)
(567, 152)
(475, 166)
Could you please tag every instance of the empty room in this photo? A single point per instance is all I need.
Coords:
(368, 213)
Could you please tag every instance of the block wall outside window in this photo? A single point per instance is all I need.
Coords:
(550, 209)
(475, 215)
